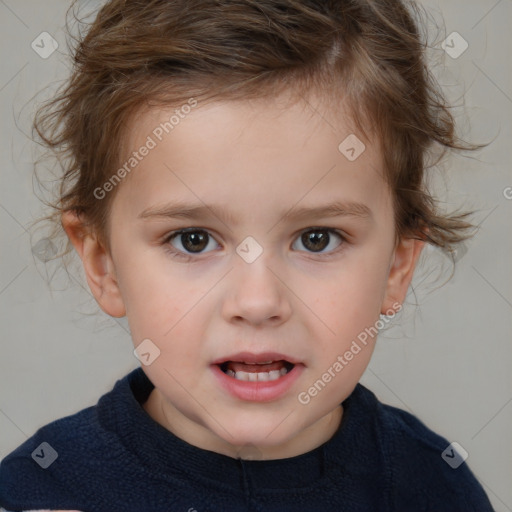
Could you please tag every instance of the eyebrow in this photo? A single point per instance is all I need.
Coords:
(178, 210)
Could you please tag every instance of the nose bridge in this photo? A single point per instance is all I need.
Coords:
(254, 266)
(256, 292)
(258, 259)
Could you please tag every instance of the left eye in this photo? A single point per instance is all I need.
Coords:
(316, 240)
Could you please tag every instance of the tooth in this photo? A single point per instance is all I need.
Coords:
(274, 375)
(257, 376)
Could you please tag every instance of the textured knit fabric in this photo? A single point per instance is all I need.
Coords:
(115, 457)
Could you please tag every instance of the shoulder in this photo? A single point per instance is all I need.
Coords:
(66, 458)
(42, 460)
(423, 466)
(58, 440)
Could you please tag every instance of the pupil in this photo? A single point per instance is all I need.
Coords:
(197, 241)
(318, 242)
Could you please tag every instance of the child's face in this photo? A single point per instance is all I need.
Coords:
(304, 300)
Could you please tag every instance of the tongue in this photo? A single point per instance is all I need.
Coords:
(254, 368)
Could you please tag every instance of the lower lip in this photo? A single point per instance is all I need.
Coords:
(264, 391)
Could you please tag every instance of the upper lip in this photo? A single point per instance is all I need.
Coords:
(252, 358)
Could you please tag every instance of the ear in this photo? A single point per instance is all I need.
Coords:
(403, 263)
(98, 265)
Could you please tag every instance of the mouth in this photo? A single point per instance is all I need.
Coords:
(257, 377)
(256, 371)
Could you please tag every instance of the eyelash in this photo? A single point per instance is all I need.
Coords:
(189, 256)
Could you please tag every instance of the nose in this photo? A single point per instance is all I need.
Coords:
(256, 293)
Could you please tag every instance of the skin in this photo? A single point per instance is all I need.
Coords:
(258, 159)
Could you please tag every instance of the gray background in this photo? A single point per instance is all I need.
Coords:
(447, 359)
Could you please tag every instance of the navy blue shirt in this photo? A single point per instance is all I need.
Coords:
(114, 457)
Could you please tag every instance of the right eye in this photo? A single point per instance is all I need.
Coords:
(185, 242)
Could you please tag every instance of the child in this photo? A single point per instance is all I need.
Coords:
(244, 180)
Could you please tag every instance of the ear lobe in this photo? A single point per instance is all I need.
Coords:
(98, 265)
(403, 264)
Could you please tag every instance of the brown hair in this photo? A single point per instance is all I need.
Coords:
(163, 52)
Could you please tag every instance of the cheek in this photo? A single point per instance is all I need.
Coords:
(168, 310)
(354, 296)
(154, 300)
(349, 305)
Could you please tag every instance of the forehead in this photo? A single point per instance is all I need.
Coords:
(253, 152)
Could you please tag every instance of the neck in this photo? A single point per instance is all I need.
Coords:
(311, 437)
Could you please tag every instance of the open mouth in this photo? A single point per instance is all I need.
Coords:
(256, 372)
